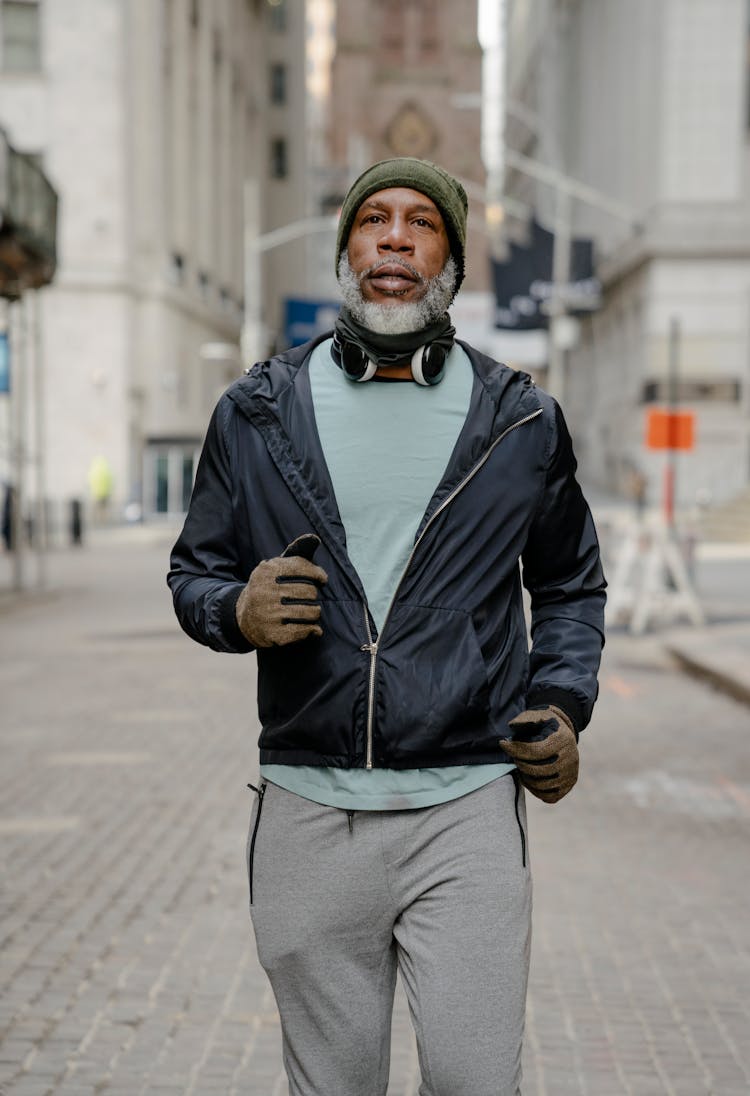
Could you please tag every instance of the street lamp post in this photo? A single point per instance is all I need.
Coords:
(253, 337)
(566, 189)
(561, 245)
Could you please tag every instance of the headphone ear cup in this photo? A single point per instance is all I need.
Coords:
(370, 371)
(355, 364)
(428, 364)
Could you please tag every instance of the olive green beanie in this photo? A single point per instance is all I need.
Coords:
(445, 191)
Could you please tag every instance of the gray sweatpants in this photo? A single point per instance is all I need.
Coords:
(441, 893)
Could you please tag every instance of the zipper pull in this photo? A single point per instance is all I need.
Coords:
(371, 648)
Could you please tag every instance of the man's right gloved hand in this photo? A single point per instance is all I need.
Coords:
(280, 603)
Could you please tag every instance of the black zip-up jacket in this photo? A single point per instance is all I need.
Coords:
(452, 664)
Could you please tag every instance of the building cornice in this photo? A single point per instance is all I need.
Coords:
(704, 235)
(114, 281)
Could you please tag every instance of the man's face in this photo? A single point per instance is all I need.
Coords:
(397, 243)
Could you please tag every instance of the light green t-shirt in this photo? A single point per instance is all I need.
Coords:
(387, 446)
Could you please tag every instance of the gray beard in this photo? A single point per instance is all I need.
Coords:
(398, 317)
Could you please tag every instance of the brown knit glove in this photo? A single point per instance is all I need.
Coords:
(545, 751)
(280, 603)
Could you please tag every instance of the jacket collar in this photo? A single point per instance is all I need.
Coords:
(259, 393)
(267, 380)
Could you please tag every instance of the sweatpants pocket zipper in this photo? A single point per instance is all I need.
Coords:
(261, 791)
(517, 782)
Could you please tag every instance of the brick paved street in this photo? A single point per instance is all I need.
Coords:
(127, 961)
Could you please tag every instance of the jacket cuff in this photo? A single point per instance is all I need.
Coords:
(228, 621)
(561, 698)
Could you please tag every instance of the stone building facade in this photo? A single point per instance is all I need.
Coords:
(648, 103)
(148, 116)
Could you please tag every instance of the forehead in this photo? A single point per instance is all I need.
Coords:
(400, 197)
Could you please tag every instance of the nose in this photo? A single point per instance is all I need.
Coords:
(396, 236)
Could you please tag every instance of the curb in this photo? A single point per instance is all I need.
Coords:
(721, 681)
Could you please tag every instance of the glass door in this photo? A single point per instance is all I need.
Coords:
(169, 474)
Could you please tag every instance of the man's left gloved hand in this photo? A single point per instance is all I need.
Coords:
(545, 751)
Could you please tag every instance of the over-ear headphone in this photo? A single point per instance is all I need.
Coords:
(427, 363)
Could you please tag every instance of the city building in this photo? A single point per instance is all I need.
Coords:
(407, 81)
(647, 103)
(283, 188)
(150, 117)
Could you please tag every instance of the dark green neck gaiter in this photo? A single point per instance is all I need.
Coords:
(387, 350)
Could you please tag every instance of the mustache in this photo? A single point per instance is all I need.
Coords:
(392, 262)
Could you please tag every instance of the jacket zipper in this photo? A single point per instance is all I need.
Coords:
(372, 646)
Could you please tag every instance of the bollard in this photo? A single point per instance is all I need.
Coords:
(76, 522)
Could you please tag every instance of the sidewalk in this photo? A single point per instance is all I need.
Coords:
(126, 957)
(127, 961)
(719, 652)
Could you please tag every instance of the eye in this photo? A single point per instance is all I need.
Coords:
(422, 222)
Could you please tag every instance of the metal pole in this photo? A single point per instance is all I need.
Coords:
(673, 399)
(41, 539)
(560, 277)
(584, 193)
(566, 189)
(250, 340)
(253, 343)
(18, 534)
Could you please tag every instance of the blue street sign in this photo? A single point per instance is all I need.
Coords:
(4, 362)
(305, 319)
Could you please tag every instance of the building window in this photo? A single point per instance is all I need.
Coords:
(277, 14)
(188, 471)
(278, 84)
(429, 43)
(161, 483)
(392, 31)
(279, 158)
(20, 27)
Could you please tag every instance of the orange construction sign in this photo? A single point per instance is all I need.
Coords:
(670, 429)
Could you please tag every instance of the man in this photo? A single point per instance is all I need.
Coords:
(401, 710)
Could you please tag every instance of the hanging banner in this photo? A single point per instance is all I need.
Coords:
(524, 284)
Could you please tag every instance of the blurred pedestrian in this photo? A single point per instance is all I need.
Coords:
(402, 713)
(101, 481)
